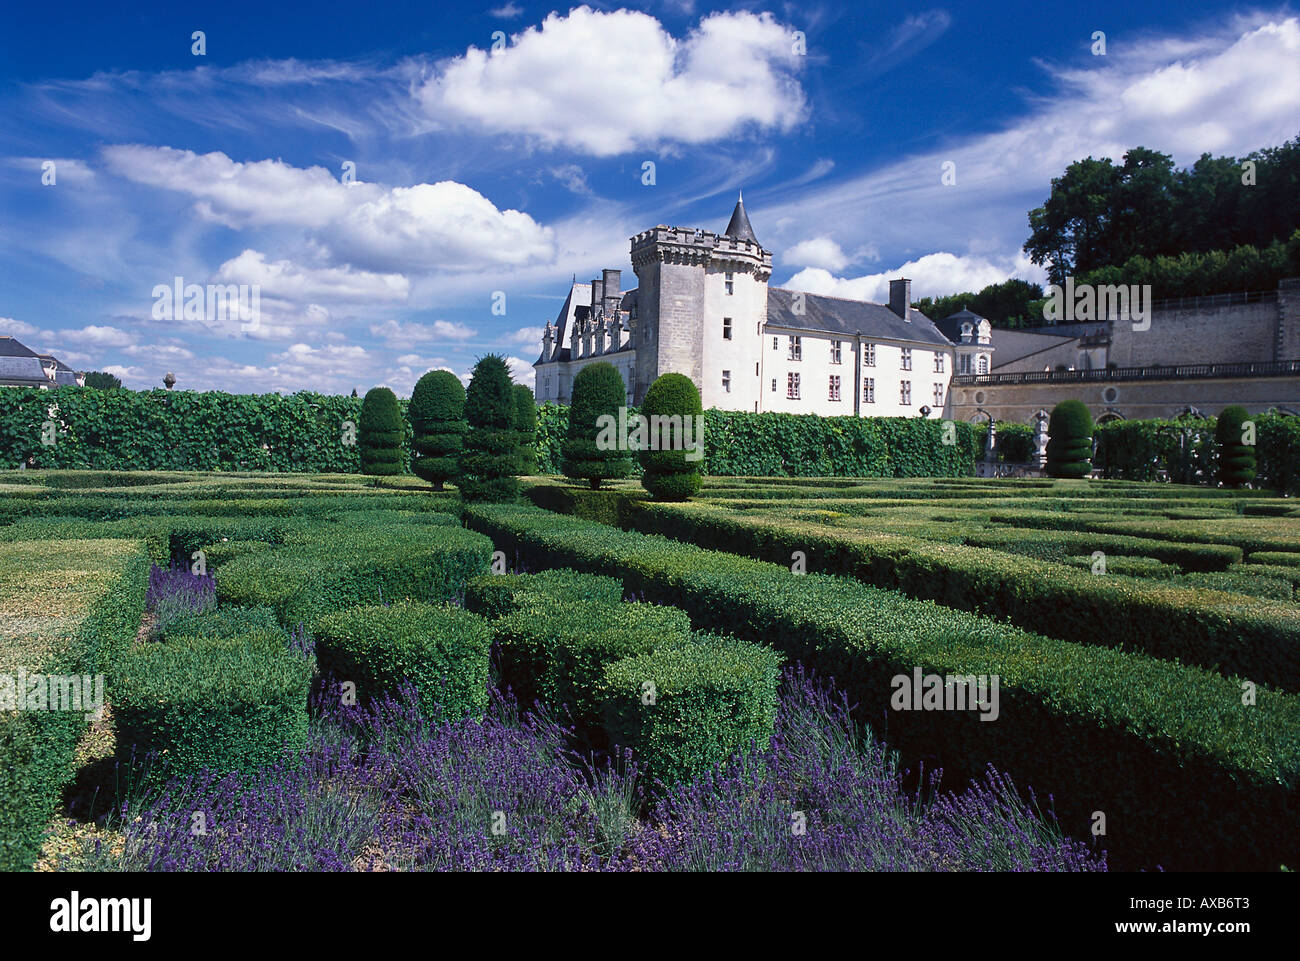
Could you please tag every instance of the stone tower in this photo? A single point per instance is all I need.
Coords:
(701, 303)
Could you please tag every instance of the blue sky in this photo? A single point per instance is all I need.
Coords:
(512, 170)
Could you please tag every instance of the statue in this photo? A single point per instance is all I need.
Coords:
(1040, 437)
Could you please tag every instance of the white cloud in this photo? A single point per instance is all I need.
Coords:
(446, 224)
(159, 351)
(528, 336)
(397, 333)
(510, 11)
(817, 252)
(16, 328)
(608, 83)
(288, 280)
(522, 371)
(97, 336)
(1230, 90)
(934, 275)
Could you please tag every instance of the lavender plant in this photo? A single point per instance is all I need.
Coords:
(174, 591)
(382, 788)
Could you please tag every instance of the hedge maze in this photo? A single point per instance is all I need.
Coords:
(1142, 642)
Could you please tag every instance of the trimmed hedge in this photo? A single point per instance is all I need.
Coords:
(668, 473)
(489, 460)
(598, 391)
(130, 430)
(526, 426)
(1160, 747)
(1211, 628)
(1279, 558)
(219, 704)
(708, 698)
(37, 747)
(1236, 458)
(437, 412)
(441, 651)
(557, 654)
(495, 595)
(382, 431)
(1069, 445)
(345, 565)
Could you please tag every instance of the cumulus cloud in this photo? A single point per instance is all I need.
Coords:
(397, 333)
(291, 281)
(447, 223)
(817, 252)
(607, 83)
(934, 275)
(16, 328)
(522, 371)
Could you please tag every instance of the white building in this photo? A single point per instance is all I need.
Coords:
(703, 308)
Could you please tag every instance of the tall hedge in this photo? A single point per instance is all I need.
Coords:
(598, 391)
(120, 430)
(526, 425)
(1069, 444)
(381, 433)
(1236, 458)
(437, 412)
(489, 462)
(668, 474)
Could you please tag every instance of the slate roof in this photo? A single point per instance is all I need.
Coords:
(577, 307)
(850, 317)
(20, 363)
(738, 227)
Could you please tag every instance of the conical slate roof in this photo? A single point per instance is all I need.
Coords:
(739, 227)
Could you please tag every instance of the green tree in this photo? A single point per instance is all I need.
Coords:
(103, 381)
(1070, 231)
(598, 391)
(1236, 457)
(1069, 443)
(672, 472)
(489, 462)
(437, 413)
(382, 432)
(526, 424)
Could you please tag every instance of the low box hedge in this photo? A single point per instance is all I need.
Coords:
(495, 595)
(346, 565)
(68, 609)
(690, 705)
(228, 704)
(558, 653)
(1161, 748)
(1213, 628)
(441, 651)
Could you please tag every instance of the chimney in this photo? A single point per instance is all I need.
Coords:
(597, 295)
(610, 280)
(900, 296)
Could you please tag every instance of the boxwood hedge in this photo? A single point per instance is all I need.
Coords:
(441, 651)
(689, 705)
(221, 704)
(1166, 750)
(495, 595)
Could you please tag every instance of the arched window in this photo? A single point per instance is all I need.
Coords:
(983, 364)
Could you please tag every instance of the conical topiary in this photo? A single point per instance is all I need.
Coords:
(1236, 457)
(382, 431)
(1069, 444)
(670, 474)
(598, 391)
(489, 461)
(438, 426)
(526, 424)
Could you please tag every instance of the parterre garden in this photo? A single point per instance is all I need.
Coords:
(312, 672)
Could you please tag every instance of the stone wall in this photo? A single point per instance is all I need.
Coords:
(1130, 400)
